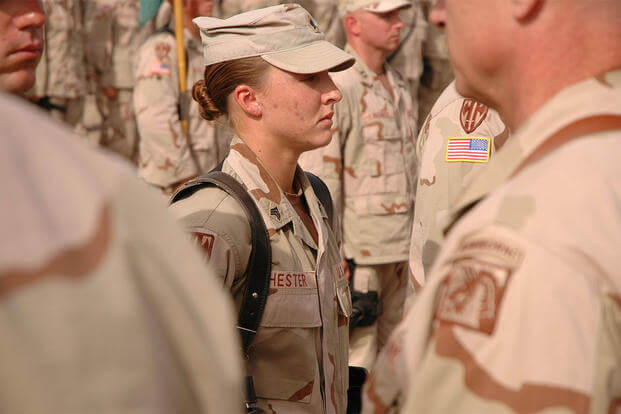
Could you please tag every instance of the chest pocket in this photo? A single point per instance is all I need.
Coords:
(283, 356)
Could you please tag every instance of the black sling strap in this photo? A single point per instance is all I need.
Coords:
(260, 261)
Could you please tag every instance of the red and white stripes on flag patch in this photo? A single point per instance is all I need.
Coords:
(467, 149)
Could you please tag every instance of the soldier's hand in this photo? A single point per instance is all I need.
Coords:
(111, 92)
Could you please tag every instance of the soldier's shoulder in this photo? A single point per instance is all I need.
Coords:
(347, 80)
(214, 209)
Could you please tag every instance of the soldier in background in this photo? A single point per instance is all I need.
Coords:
(21, 44)
(458, 140)
(369, 166)
(106, 312)
(169, 156)
(437, 73)
(61, 75)
(522, 310)
(112, 37)
(408, 58)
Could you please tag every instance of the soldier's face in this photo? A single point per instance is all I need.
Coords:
(479, 42)
(21, 43)
(380, 30)
(297, 110)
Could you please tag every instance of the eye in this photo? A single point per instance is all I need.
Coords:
(310, 78)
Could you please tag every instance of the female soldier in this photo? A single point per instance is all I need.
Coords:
(267, 71)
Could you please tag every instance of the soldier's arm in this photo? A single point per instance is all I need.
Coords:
(165, 158)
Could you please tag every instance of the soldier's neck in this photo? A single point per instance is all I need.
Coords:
(372, 57)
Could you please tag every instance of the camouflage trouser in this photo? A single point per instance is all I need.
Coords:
(389, 281)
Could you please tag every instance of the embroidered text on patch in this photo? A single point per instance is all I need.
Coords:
(467, 149)
(473, 289)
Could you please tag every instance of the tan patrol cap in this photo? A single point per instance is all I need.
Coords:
(375, 6)
(286, 36)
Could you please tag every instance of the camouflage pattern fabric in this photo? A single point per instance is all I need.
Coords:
(299, 357)
(522, 311)
(165, 158)
(112, 38)
(102, 297)
(370, 164)
(441, 180)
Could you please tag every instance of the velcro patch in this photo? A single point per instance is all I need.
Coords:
(468, 149)
(472, 114)
(284, 279)
(158, 67)
(475, 283)
(205, 242)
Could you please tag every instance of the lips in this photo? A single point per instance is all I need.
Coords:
(327, 117)
(31, 51)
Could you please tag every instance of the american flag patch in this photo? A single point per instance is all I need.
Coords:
(467, 149)
(157, 67)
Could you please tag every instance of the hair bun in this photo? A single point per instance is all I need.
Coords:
(207, 107)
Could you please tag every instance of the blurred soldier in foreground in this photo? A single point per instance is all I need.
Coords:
(522, 310)
(61, 74)
(102, 297)
(21, 43)
(369, 166)
(458, 139)
(168, 155)
(112, 37)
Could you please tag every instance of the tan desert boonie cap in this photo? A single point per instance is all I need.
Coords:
(286, 36)
(375, 6)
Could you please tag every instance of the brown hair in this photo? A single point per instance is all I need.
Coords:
(221, 79)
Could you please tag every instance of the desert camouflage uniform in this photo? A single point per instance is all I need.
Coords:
(112, 38)
(61, 74)
(299, 357)
(102, 298)
(441, 180)
(522, 312)
(325, 12)
(437, 72)
(370, 169)
(165, 158)
(408, 59)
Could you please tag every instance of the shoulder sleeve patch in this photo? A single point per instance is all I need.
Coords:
(468, 149)
(158, 67)
(475, 282)
(472, 114)
(205, 241)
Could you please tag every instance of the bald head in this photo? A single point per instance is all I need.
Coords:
(514, 55)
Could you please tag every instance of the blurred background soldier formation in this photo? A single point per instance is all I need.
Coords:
(112, 37)
(369, 167)
(458, 139)
(436, 74)
(61, 77)
(170, 155)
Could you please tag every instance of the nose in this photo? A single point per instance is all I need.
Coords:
(437, 15)
(30, 15)
(332, 93)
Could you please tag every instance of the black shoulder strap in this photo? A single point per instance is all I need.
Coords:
(323, 194)
(260, 262)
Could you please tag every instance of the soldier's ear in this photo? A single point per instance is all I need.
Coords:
(246, 98)
(351, 24)
(525, 9)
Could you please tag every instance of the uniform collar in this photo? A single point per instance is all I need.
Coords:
(367, 76)
(275, 208)
(595, 96)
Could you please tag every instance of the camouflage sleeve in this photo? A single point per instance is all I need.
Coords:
(220, 228)
(126, 33)
(98, 35)
(165, 158)
(507, 335)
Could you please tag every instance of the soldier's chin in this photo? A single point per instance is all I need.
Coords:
(17, 82)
